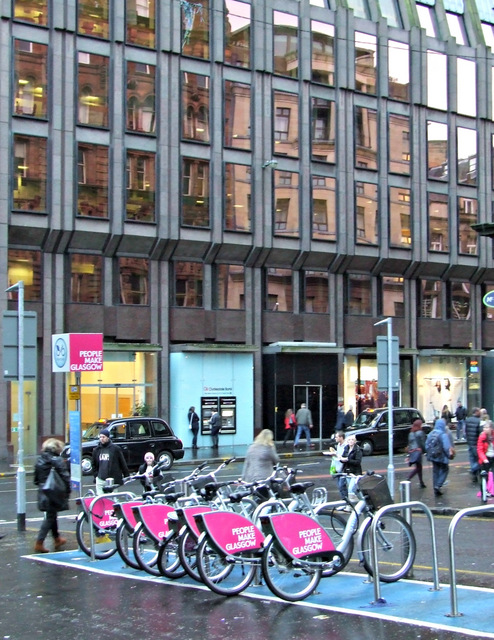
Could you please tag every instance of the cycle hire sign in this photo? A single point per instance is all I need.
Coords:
(488, 299)
(77, 352)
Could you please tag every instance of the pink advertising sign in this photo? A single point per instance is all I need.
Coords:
(155, 519)
(231, 532)
(77, 352)
(300, 535)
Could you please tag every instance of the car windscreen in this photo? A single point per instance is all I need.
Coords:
(364, 420)
(92, 432)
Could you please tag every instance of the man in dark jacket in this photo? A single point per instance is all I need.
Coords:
(472, 433)
(460, 415)
(215, 424)
(108, 462)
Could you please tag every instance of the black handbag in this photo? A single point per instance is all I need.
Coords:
(54, 489)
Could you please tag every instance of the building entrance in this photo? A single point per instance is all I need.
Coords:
(311, 395)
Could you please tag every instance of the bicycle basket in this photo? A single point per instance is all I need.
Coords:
(376, 491)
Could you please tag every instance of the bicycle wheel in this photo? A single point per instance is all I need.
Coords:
(219, 574)
(124, 540)
(187, 552)
(104, 541)
(287, 578)
(334, 524)
(145, 551)
(483, 486)
(168, 561)
(396, 547)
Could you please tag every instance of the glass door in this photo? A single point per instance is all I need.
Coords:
(311, 395)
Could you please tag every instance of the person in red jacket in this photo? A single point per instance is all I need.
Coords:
(485, 448)
(290, 426)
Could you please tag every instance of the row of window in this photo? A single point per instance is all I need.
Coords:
(438, 299)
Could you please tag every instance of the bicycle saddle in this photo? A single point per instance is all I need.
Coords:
(301, 487)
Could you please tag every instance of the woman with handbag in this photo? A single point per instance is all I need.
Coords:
(416, 447)
(53, 480)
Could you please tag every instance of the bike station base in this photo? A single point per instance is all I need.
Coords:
(406, 601)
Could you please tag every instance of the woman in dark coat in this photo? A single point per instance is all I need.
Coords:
(416, 447)
(50, 457)
(193, 419)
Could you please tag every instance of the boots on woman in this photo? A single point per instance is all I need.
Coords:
(39, 547)
(59, 542)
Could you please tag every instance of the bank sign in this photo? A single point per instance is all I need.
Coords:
(77, 352)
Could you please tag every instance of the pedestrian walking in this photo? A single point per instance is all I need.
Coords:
(51, 503)
(460, 415)
(290, 426)
(473, 430)
(485, 450)
(304, 425)
(349, 418)
(215, 424)
(340, 417)
(193, 419)
(261, 457)
(108, 462)
(416, 447)
(337, 464)
(352, 463)
(438, 446)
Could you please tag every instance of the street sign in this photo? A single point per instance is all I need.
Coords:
(11, 345)
(77, 352)
(488, 299)
(382, 362)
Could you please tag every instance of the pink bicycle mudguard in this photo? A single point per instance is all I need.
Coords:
(300, 535)
(154, 518)
(103, 515)
(232, 533)
(124, 510)
(188, 516)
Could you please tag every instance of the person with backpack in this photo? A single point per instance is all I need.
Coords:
(438, 446)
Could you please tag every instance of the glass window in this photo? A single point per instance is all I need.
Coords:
(323, 130)
(400, 230)
(466, 155)
(188, 284)
(487, 312)
(323, 208)
(34, 11)
(316, 291)
(488, 31)
(365, 138)
(438, 222)
(279, 289)
(359, 290)
(30, 173)
(86, 278)
(360, 8)
(237, 115)
(141, 186)
(195, 107)
(398, 70)
(30, 97)
(92, 79)
(323, 62)
(195, 192)
(492, 160)
(399, 144)
(140, 22)
(431, 299)
(427, 19)
(24, 265)
(237, 33)
(460, 300)
(133, 273)
(466, 90)
(195, 28)
(286, 124)
(366, 223)
(365, 63)
(141, 91)
(437, 80)
(286, 207)
(437, 150)
(230, 286)
(390, 11)
(285, 30)
(456, 27)
(92, 180)
(93, 18)
(393, 297)
(237, 197)
(467, 216)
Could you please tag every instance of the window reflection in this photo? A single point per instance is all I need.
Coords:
(365, 62)
(431, 299)
(466, 156)
(24, 265)
(323, 208)
(456, 27)
(30, 97)
(437, 150)
(141, 92)
(358, 301)
(467, 215)
(365, 138)
(488, 31)
(390, 11)
(93, 18)
(237, 197)
(466, 87)
(427, 19)
(195, 28)
(360, 8)
(195, 192)
(141, 186)
(460, 301)
(323, 62)
(399, 144)
(393, 297)
(188, 284)
(398, 70)
(286, 203)
(437, 80)
(195, 107)
(30, 173)
(438, 222)
(92, 180)
(366, 223)
(230, 286)
(34, 11)
(285, 32)
(86, 278)
(133, 277)
(140, 22)
(237, 33)
(316, 291)
(92, 80)
(279, 289)
(286, 124)
(237, 115)
(400, 230)
(323, 130)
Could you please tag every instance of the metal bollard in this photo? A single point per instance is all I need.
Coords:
(405, 492)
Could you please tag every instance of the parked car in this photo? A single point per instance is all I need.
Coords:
(371, 428)
(135, 436)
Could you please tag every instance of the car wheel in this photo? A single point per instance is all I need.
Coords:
(367, 447)
(165, 459)
(87, 465)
